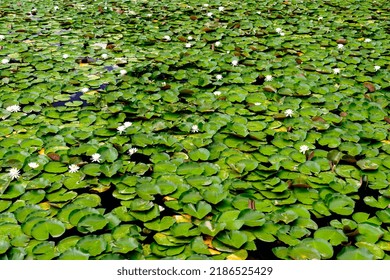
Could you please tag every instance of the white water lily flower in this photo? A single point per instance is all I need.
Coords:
(132, 151)
(320, 18)
(127, 124)
(84, 90)
(102, 45)
(218, 44)
(376, 67)
(33, 165)
(167, 38)
(123, 72)
(281, 34)
(367, 40)
(13, 108)
(303, 149)
(219, 77)
(336, 70)
(14, 173)
(235, 62)
(278, 30)
(205, 5)
(210, 14)
(2, 37)
(65, 56)
(188, 45)
(288, 113)
(55, 8)
(340, 46)
(73, 168)
(161, 208)
(104, 56)
(221, 9)
(189, 38)
(258, 12)
(257, 103)
(5, 61)
(194, 128)
(217, 93)
(268, 78)
(121, 128)
(96, 157)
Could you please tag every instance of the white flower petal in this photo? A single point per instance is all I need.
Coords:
(127, 124)
(289, 113)
(14, 173)
(132, 151)
(194, 128)
(303, 149)
(336, 70)
(121, 128)
(96, 157)
(13, 108)
(73, 168)
(33, 165)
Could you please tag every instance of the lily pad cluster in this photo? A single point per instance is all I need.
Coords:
(196, 130)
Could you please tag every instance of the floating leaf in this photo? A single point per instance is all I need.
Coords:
(160, 224)
(43, 229)
(331, 234)
(55, 167)
(93, 245)
(353, 253)
(200, 210)
(340, 204)
(233, 238)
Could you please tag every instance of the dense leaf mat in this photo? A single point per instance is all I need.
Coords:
(194, 130)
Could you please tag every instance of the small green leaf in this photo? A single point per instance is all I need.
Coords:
(199, 211)
(331, 234)
(233, 238)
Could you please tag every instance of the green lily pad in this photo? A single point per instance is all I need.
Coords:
(42, 230)
(340, 204)
(160, 224)
(353, 253)
(125, 245)
(199, 211)
(73, 254)
(91, 223)
(331, 234)
(93, 245)
(55, 167)
(235, 238)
